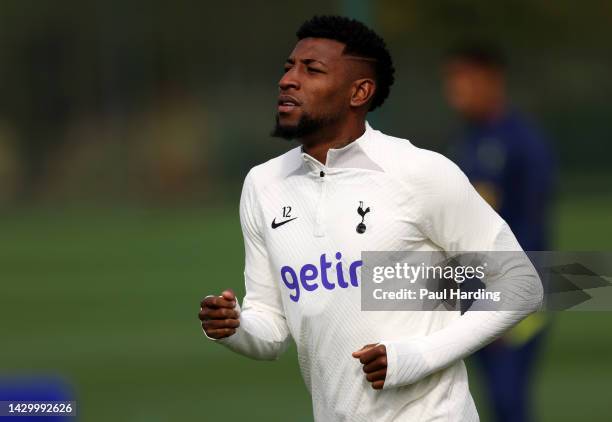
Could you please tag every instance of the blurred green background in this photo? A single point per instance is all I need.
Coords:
(126, 128)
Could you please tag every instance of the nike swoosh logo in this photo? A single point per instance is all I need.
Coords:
(275, 224)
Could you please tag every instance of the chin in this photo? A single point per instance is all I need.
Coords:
(288, 119)
(284, 128)
(297, 126)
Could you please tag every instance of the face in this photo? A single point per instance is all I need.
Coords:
(471, 90)
(315, 90)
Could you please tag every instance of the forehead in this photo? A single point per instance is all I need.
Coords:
(318, 49)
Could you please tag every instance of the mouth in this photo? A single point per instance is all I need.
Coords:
(287, 104)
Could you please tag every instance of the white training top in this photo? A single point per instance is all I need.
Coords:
(299, 220)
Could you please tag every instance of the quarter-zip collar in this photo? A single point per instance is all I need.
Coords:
(352, 155)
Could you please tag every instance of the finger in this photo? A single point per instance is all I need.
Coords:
(218, 313)
(378, 385)
(212, 301)
(217, 302)
(218, 333)
(209, 301)
(379, 363)
(363, 349)
(371, 354)
(229, 295)
(221, 323)
(377, 376)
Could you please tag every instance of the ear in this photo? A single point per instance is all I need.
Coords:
(362, 92)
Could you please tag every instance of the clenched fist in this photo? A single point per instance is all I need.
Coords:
(373, 357)
(218, 315)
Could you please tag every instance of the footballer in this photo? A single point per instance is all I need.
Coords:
(307, 215)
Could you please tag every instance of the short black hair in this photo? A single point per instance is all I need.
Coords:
(360, 41)
(485, 54)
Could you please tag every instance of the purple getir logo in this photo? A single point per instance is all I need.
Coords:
(311, 276)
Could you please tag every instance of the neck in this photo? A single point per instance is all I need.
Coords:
(334, 136)
(498, 109)
(490, 114)
(496, 106)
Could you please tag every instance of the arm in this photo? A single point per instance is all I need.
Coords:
(536, 170)
(457, 219)
(263, 332)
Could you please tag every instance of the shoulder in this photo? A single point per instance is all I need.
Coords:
(275, 169)
(410, 164)
(528, 145)
(527, 134)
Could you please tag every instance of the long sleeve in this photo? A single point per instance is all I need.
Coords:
(263, 332)
(535, 169)
(457, 219)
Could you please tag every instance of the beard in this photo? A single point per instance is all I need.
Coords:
(307, 125)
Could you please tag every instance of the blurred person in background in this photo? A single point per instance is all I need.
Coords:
(512, 167)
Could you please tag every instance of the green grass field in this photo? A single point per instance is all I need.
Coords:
(109, 299)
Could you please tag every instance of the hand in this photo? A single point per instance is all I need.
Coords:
(373, 357)
(218, 316)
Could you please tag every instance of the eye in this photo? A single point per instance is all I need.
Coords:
(313, 70)
(286, 69)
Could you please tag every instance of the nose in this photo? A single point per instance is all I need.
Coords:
(289, 80)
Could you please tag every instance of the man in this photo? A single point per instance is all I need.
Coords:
(511, 166)
(306, 217)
